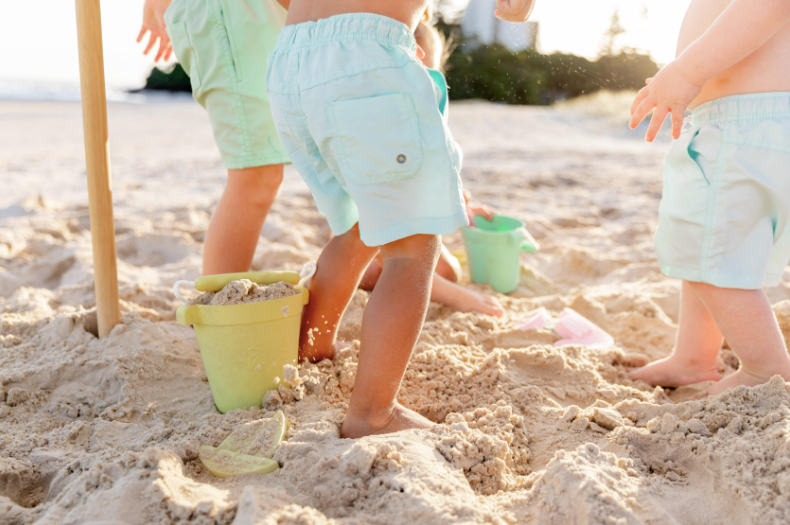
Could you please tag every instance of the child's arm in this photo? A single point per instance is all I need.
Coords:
(284, 3)
(739, 31)
(154, 21)
(514, 10)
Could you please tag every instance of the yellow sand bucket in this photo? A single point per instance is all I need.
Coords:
(246, 346)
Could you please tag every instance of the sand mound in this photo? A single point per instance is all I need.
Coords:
(109, 430)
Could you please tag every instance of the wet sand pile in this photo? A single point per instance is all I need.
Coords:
(109, 430)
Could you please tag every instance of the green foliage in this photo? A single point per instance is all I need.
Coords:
(494, 73)
(175, 80)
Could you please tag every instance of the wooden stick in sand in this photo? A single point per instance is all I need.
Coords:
(97, 162)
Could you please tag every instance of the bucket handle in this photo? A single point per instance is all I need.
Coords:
(308, 270)
(529, 244)
(177, 292)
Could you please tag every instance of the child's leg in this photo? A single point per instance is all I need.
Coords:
(751, 330)
(340, 267)
(372, 274)
(448, 266)
(444, 267)
(698, 341)
(390, 327)
(443, 291)
(460, 299)
(236, 223)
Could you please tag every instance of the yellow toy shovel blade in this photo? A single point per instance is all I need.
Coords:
(215, 283)
(224, 463)
(258, 438)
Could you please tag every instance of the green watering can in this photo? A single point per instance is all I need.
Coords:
(494, 248)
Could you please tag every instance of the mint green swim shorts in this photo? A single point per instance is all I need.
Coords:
(360, 117)
(222, 45)
(724, 214)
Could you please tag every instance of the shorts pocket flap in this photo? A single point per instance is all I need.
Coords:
(377, 139)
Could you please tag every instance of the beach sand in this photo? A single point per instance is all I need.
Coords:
(108, 431)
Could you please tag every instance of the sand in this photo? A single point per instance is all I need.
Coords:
(244, 291)
(108, 431)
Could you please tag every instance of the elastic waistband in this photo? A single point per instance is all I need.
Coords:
(756, 106)
(345, 28)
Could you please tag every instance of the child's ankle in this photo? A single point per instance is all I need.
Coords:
(693, 362)
(369, 418)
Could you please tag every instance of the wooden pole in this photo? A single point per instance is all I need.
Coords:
(97, 163)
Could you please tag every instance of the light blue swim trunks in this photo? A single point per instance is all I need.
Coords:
(724, 214)
(360, 118)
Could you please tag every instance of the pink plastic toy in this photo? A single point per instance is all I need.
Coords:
(537, 319)
(576, 330)
(571, 326)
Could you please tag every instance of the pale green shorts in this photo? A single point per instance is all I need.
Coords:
(361, 119)
(223, 45)
(724, 215)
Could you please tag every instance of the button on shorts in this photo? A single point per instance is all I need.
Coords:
(223, 46)
(723, 218)
(360, 118)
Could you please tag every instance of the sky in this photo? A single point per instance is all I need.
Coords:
(42, 34)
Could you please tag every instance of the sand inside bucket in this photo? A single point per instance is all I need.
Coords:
(245, 291)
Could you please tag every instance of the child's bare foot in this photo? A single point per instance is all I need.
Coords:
(741, 377)
(401, 418)
(673, 372)
(460, 299)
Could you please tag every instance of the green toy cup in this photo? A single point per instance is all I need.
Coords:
(494, 248)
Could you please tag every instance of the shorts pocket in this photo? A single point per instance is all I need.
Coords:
(182, 47)
(229, 39)
(683, 158)
(377, 139)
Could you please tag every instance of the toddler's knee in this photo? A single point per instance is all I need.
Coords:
(257, 186)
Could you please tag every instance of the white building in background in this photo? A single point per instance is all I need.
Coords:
(481, 27)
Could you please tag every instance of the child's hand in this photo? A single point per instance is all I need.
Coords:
(670, 91)
(485, 211)
(154, 21)
(473, 211)
(514, 10)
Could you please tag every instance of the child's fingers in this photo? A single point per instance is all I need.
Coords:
(655, 123)
(644, 92)
(648, 80)
(164, 48)
(143, 31)
(485, 211)
(159, 52)
(151, 41)
(641, 111)
(677, 121)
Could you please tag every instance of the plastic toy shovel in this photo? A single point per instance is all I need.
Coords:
(247, 450)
